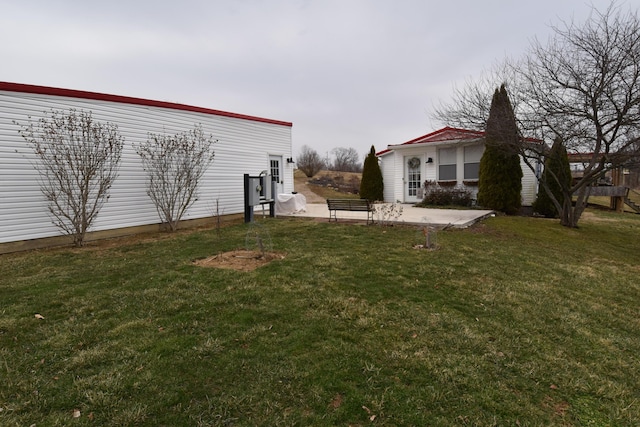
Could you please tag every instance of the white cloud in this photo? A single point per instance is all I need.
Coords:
(347, 73)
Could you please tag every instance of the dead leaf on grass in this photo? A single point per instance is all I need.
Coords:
(336, 402)
(372, 417)
(39, 316)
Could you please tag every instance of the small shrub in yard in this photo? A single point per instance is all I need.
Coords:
(372, 186)
(385, 213)
(444, 196)
(77, 159)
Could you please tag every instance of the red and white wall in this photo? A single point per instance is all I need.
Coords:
(246, 144)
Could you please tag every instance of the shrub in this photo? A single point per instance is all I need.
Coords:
(371, 186)
(441, 196)
(556, 174)
(174, 165)
(78, 159)
(500, 177)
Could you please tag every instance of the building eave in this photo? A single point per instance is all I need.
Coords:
(72, 93)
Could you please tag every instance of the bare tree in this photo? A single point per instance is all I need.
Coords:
(309, 161)
(471, 102)
(77, 160)
(174, 165)
(346, 160)
(582, 86)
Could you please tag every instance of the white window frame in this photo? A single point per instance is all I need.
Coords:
(472, 156)
(447, 157)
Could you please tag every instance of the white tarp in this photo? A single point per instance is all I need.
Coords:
(287, 204)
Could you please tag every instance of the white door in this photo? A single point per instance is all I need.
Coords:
(275, 169)
(412, 179)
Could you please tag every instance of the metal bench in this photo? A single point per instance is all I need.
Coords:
(352, 205)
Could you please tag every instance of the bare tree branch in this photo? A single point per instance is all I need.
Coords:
(309, 161)
(346, 160)
(174, 165)
(77, 161)
(583, 86)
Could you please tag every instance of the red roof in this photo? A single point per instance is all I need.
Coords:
(444, 134)
(45, 90)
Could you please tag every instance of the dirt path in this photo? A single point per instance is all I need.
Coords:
(300, 185)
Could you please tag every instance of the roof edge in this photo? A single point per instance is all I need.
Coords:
(72, 93)
(475, 135)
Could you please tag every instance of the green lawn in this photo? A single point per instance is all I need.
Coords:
(518, 321)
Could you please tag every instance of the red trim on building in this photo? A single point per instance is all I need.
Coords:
(442, 135)
(446, 134)
(45, 90)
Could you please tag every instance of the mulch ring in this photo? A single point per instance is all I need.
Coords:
(240, 260)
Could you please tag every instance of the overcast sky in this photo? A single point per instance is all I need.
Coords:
(347, 73)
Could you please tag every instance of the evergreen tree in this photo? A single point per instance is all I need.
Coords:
(500, 176)
(556, 176)
(371, 185)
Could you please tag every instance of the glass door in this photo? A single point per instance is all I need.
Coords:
(413, 179)
(275, 169)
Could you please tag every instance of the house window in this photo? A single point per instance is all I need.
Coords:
(472, 156)
(447, 164)
(275, 170)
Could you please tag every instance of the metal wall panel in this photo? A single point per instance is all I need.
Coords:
(243, 147)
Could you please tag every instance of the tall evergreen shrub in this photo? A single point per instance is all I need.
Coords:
(556, 175)
(371, 185)
(500, 176)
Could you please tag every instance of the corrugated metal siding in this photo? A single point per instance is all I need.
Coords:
(243, 147)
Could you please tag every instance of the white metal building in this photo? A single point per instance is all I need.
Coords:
(246, 144)
(449, 157)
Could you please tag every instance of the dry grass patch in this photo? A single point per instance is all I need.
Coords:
(240, 260)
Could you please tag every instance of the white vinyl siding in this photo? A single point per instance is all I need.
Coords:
(529, 184)
(243, 147)
(390, 183)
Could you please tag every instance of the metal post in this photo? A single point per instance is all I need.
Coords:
(248, 209)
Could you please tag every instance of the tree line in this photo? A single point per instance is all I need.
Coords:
(339, 159)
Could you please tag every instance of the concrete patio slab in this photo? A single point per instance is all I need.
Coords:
(411, 215)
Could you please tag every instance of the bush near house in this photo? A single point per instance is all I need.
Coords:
(500, 177)
(436, 195)
(557, 175)
(371, 185)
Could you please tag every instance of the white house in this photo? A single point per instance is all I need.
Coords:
(246, 145)
(449, 157)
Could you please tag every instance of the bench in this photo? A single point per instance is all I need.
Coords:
(352, 205)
